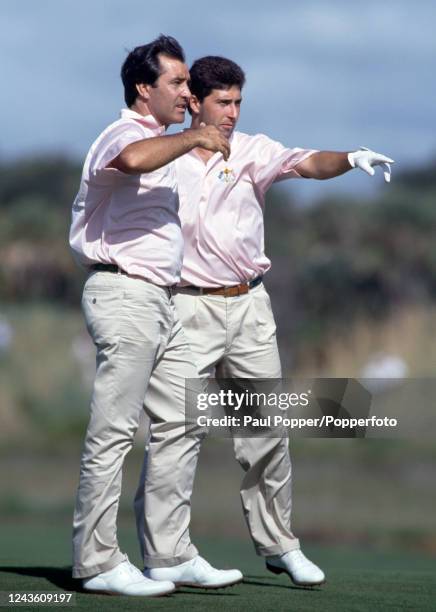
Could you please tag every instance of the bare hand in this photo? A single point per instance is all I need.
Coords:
(210, 138)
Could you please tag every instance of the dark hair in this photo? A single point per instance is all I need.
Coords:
(213, 72)
(142, 64)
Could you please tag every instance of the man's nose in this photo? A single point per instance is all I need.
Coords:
(186, 92)
(232, 111)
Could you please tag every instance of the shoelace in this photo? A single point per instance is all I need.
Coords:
(133, 570)
(299, 559)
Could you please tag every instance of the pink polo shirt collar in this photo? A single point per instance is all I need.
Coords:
(147, 121)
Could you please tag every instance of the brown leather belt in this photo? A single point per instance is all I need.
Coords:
(225, 291)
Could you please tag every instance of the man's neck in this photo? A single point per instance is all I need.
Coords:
(204, 154)
(141, 108)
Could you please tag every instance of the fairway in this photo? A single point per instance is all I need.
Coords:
(35, 557)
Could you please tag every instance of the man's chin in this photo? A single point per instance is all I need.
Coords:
(227, 131)
(179, 117)
(176, 116)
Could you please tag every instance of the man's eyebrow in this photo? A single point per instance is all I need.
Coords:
(227, 99)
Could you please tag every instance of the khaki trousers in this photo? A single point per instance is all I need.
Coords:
(141, 349)
(236, 338)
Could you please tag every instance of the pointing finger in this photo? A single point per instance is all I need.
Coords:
(380, 159)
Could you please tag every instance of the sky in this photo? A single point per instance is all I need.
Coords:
(325, 74)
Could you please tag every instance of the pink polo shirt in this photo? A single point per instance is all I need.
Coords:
(128, 220)
(221, 208)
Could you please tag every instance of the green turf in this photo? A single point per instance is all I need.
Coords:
(36, 558)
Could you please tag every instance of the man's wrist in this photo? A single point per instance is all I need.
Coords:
(351, 159)
(192, 138)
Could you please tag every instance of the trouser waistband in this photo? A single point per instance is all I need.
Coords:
(225, 291)
(101, 267)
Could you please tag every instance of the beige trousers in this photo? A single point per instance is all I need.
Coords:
(141, 350)
(236, 338)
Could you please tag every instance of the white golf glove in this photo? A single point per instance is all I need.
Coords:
(365, 159)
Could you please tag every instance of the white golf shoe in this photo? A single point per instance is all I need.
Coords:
(195, 573)
(302, 571)
(126, 579)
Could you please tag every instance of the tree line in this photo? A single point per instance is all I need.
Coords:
(332, 260)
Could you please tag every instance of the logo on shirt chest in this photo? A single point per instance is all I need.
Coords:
(227, 175)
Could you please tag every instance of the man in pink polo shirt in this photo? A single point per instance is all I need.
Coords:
(125, 230)
(223, 305)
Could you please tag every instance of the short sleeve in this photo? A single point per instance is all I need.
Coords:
(274, 162)
(113, 142)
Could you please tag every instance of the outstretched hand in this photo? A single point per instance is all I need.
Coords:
(365, 159)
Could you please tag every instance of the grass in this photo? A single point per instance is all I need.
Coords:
(371, 492)
(364, 491)
(35, 557)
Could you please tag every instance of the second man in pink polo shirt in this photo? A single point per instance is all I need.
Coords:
(224, 307)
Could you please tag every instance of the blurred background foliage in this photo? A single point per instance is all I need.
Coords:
(334, 258)
(352, 278)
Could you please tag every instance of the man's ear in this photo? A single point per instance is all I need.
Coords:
(194, 104)
(143, 90)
